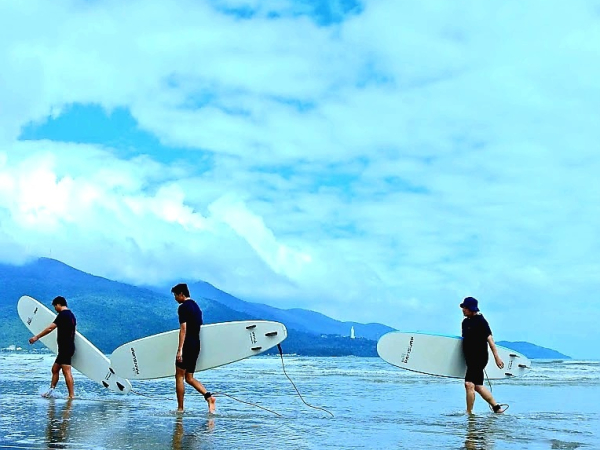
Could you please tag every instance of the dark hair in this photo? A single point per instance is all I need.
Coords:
(181, 288)
(59, 301)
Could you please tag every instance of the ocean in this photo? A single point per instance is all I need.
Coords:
(355, 403)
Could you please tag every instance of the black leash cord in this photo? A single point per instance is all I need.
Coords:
(491, 390)
(215, 394)
(299, 395)
(254, 404)
(248, 403)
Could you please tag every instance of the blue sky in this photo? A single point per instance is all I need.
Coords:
(375, 161)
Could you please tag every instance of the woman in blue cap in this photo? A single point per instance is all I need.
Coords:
(477, 335)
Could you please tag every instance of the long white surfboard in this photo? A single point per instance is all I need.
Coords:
(87, 359)
(220, 344)
(442, 356)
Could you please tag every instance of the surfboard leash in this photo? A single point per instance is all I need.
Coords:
(247, 403)
(297, 391)
(503, 406)
(254, 404)
(216, 394)
(488, 380)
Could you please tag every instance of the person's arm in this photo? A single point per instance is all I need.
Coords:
(492, 345)
(49, 329)
(182, 330)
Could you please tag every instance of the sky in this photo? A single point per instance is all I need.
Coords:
(374, 161)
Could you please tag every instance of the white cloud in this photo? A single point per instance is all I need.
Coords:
(379, 169)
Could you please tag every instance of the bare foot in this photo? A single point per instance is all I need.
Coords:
(211, 404)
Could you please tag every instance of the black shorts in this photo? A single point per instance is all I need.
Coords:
(189, 357)
(475, 374)
(64, 357)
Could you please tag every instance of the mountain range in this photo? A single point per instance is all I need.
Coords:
(110, 313)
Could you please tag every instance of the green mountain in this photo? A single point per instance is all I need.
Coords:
(110, 313)
(298, 319)
(533, 351)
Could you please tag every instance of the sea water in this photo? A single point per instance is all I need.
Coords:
(365, 403)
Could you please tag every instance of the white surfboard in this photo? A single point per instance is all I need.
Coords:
(87, 359)
(442, 356)
(220, 344)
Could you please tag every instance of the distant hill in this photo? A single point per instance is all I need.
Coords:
(298, 319)
(533, 351)
(110, 313)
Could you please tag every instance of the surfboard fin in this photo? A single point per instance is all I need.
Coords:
(111, 370)
(523, 366)
(271, 333)
(256, 348)
(513, 355)
(508, 374)
(105, 384)
(120, 386)
(250, 327)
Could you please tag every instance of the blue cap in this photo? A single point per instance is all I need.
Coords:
(470, 303)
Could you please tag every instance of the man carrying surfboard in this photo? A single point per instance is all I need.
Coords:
(477, 335)
(65, 324)
(190, 321)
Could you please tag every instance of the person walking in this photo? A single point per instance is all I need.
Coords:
(65, 324)
(190, 321)
(477, 336)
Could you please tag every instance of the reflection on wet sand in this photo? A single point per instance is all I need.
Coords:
(480, 432)
(57, 428)
(182, 441)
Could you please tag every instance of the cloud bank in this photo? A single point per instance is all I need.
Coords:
(372, 161)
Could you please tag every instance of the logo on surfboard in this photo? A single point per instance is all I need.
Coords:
(136, 369)
(406, 355)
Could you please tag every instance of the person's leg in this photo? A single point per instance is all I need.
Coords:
(488, 397)
(189, 378)
(55, 374)
(470, 393)
(179, 387)
(473, 377)
(54, 380)
(66, 370)
(485, 394)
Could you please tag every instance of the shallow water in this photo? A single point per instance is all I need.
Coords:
(374, 405)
